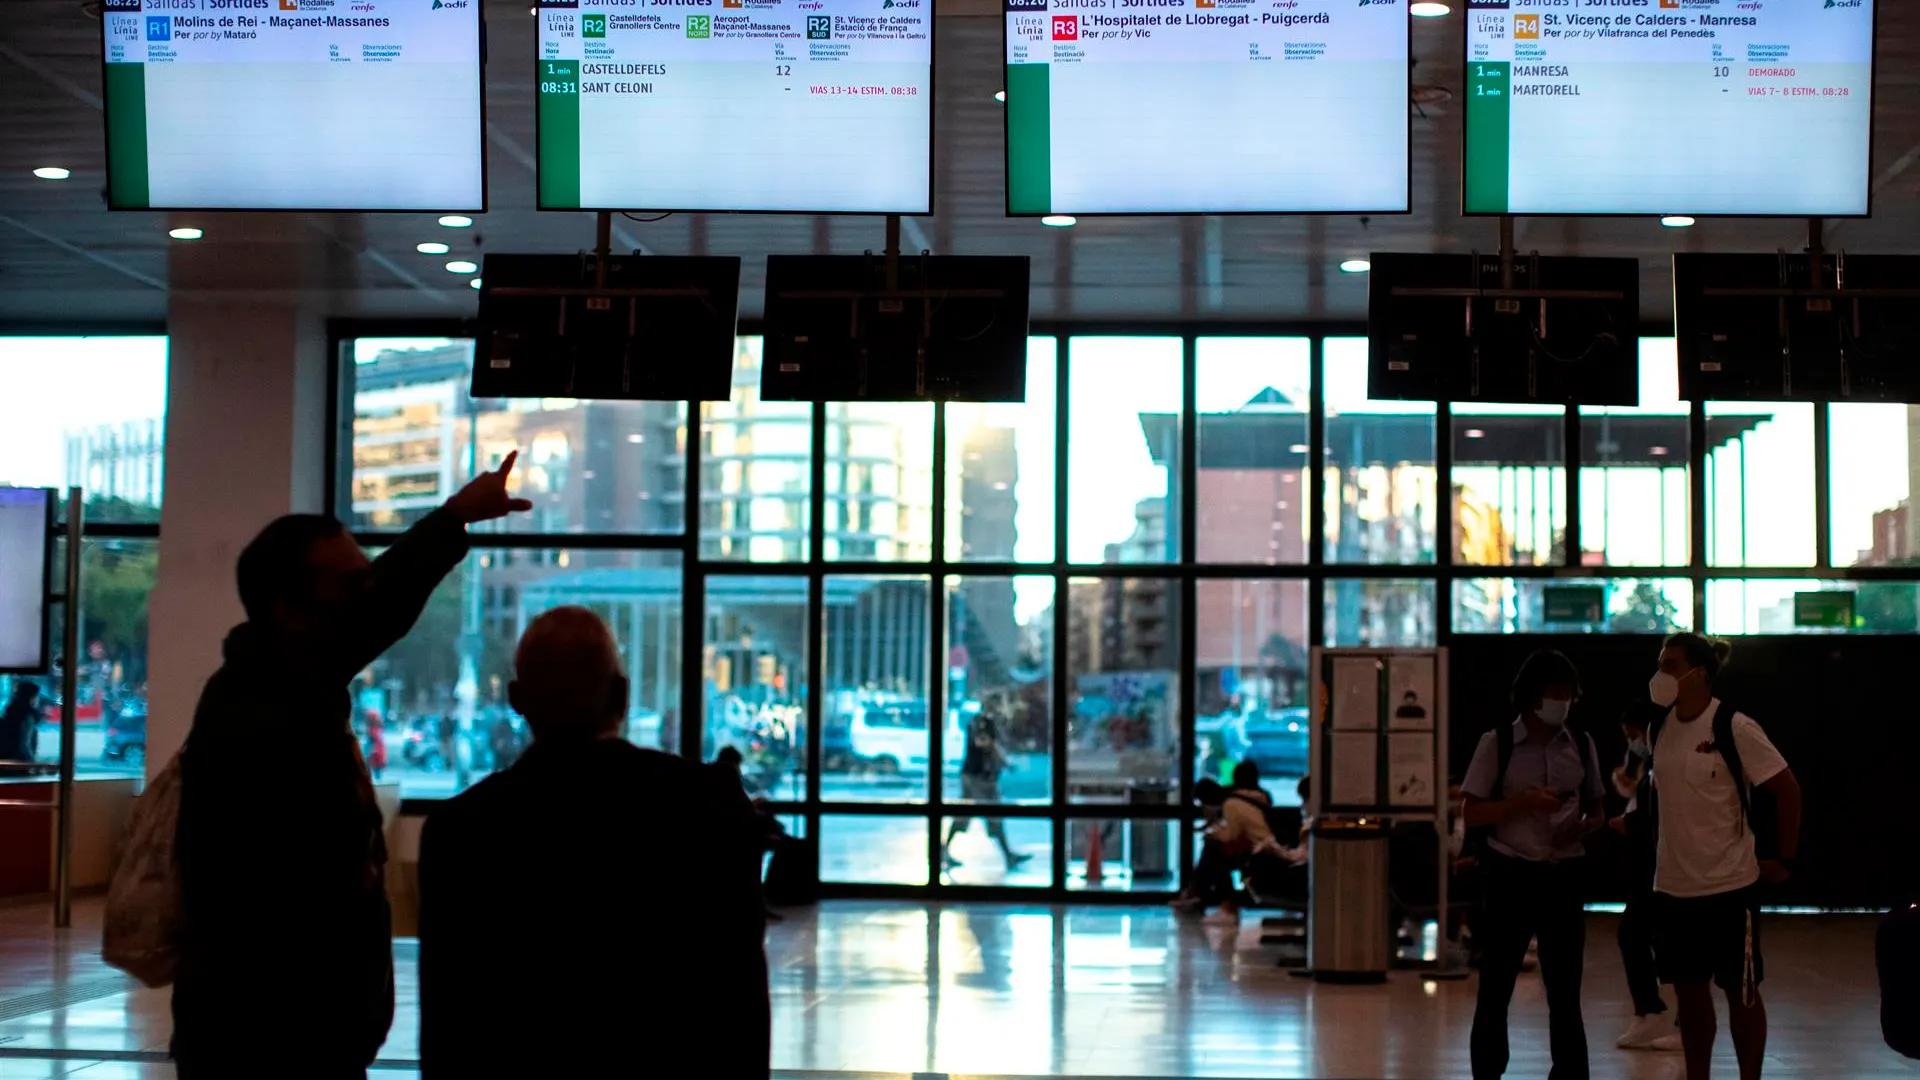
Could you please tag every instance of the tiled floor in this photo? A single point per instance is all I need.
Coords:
(898, 989)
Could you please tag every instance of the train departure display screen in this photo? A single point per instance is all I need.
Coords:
(294, 104)
(804, 106)
(1756, 107)
(1206, 106)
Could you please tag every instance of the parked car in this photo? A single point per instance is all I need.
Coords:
(126, 739)
(892, 737)
(1277, 742)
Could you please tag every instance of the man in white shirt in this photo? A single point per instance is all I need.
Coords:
(1707, 908)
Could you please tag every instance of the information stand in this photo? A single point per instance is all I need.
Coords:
(1378, 731)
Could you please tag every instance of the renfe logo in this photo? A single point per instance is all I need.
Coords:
(1066, 28)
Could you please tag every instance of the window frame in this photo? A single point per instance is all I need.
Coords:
(1182, 574)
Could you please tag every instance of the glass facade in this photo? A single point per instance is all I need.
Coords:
(993, 646)
(91, 412)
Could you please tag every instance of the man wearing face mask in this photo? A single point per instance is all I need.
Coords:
(279, 843)
(1538, 788)
(1706, 760)
(1652, 1027)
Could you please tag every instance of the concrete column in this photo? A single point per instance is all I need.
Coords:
(247, 388)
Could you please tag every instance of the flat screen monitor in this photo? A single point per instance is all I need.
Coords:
(26, 538)
(1770, 328)
(650, 328)
(294, 105)
(798, 106)
(946, 328)
(1207, 106)
(1448, 328)
(1669, 107)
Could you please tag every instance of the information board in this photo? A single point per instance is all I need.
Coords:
(294, 105)
(1207, 106)
(802, 106)
(26, 518)
(1669, 107)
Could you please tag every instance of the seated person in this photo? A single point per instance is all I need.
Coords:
(595, 866)
(1237, 832)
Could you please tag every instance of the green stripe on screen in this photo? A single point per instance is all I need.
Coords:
(1489, 136)
(559, 134)
(1029, 139)
(126, 87)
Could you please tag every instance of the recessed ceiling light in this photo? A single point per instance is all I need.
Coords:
(1355, 266)
(1476, 433)
(431, 248)
(1428, 10)
(187, 232)
(1000, 96)
(462, 266)
(1657, 451)
(1677, 221)
(1059, 221)
(52, 172)
(474, 284)
(456, 221)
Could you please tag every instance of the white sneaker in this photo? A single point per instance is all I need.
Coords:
(1223, 917)
(1648, 1032)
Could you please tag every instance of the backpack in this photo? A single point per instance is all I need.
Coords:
(1723, 744)
(1896, 953)
(142, 928)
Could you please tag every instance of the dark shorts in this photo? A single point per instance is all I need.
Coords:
(1703, 938)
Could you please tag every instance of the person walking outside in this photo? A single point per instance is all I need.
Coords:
(980, 773)
(1707, 761)
(20, 723)
(1653, 1027)
(1538, 787)
(279, 843)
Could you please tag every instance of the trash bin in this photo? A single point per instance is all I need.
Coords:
(1347, 902)
(1147, 841)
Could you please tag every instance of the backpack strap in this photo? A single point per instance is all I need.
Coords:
(1502, 756)
(1730, 753)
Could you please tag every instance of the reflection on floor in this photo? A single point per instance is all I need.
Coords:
(897, 989)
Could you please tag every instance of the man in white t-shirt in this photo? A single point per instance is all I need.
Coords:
(1707, 908)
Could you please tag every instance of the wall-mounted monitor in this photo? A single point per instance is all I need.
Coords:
(1563, 331)
(1669, 107)
(26, 538)
(1777, 328)
(796, 106)
(294, 105)
(619, 327)
(920, 328)
(1207, 106)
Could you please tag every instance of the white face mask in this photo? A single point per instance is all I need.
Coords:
(1553, 711)
(1639, 748)
(1664, 689)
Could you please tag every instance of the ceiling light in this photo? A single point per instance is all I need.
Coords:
(1059, 221)
(474, 284)
(186, 233)
(456, 221)
(1677, 221)
(431, 248)
(1657, 451)
(1476, 433)
(1355, 266)
(1428, 10)
(52, 172)
(462, 266)
(1000, 96)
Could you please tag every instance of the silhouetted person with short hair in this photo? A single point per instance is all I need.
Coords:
(595, 910)
(286, 947)
(20, 722)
